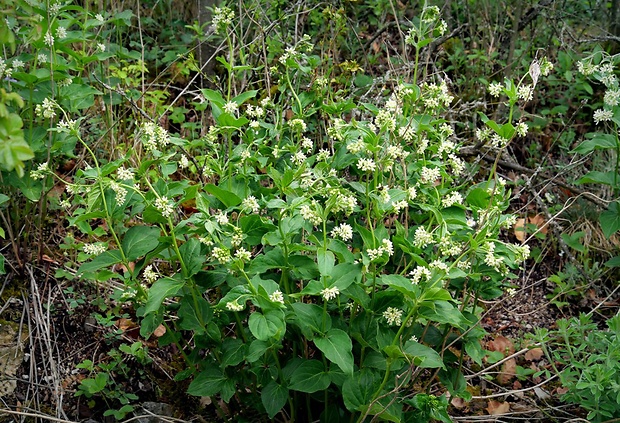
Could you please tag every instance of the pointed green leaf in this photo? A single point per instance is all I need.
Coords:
(337, 347)
(161, 289)
(610, 219)
(229, 199)
(423, 356)
(139, 240)
(208, 383)
(273, 397)
(107, 259)
(310, 376)
(268, 325)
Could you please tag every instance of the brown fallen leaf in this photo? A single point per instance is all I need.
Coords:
(160, 331)
(496, 408)
(125, 324)
(501, 344)
(458, 403)
(519, 229)
(540, 222)
(508, 371)
(534, 354)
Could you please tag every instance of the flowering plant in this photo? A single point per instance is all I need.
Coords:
(311, 247)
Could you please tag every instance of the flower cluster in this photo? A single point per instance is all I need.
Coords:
(385, 247)
(94, 249)
(154, 136)
(343, 231)
(393, 316)
(330, 293)
(222, 18)
(47, 109)
(164, 206)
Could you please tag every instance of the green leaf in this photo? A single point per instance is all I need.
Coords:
(268, 325)
(139, 240)
(574, 241)
(274, 397)
(610, 219)
(596, 177)
(253, 228)
(194, 313)
(398, 282)
(325, 260)
(161, 289)
(257, 349)
(213, 96)
(208, 383)
(242, 98)
(93, 386)
(337, 347)
(423, 356)
(107, 259)
(273, 259)
(310, 376)
(479, 197)
(310, 317)
(597, 141)
(2, 269)
(193, 259)
(229, 199)
(233, 352)
(613, 262)
(357, 390)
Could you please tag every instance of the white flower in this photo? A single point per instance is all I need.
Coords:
(299, 158)
(393, 316)
(422, 237)
(94, 249)
(412, 193)
(41, 171)
(222, 18)
(183, 162)
(234, 306)
(525, 92)
(164, 206)
(17, 64)
(399, 205)
(254, 124)
(251, 203)
(230, 107)
(123, 174)
(149, 274)
(451, 199)
(120, 192)
(385, 120)
(221, 218)
(47, 109)
(306, 143)
(356, 146)
(495, 89)
(243, 254)
(61, 32)
(310, 215)
(612, 97)
(330, 293)
(297, 125)
(602, 115)
(221, 254)
(522, 129)
(277, 297)
(101, 47)
(429, 175)
(99, 17)
(366, 165)
(419, 273)
(343, 231)
(154, 136)
(42, 58)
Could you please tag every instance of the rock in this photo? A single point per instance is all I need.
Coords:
(158, 409)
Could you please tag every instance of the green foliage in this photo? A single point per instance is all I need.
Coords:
(586, 360)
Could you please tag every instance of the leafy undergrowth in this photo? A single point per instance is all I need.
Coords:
(316, 224)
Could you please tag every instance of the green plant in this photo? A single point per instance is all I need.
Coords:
(324, 261)
(586, 360)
